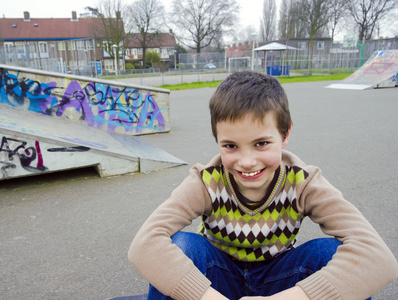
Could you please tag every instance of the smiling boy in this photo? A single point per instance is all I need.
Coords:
(251, 151)
(252, 199)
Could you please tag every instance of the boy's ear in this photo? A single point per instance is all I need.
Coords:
(286, 140)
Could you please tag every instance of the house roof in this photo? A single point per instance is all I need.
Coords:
(14, 29)
(36, 29)
(163, 40)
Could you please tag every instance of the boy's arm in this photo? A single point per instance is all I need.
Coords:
(363, 264)
(162, 263)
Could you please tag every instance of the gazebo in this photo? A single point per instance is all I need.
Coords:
(275, 70)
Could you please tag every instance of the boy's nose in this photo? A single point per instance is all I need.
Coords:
(247, 160)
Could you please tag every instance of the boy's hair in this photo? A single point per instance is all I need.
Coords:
(250, 93)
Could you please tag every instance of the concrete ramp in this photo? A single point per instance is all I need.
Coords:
(109, 105)
(380, 70)
(51, 122)
(33, 144)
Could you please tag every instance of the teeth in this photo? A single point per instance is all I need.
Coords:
(250, 174)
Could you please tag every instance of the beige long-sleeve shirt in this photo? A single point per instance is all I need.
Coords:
(360, 268)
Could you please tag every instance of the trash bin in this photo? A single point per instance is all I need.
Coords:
(277, 70)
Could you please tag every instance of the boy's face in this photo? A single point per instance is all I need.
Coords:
(251, 151)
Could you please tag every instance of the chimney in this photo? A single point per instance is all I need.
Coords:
(26, 16)
(118, 15)
(74, 16)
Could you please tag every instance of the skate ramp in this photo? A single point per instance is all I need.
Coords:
(380, 70)
(109, 105)
(51, 122)
(33, 144)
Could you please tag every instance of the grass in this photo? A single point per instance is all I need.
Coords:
(287, 79)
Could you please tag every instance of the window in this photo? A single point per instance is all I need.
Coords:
(61, 46)
(20, 46)
(43, 48)
(302, 45)
(140, 51)
(108, 64)
(89, 44)
(71, 45)
(127, 51)
(8, 46)
(80, 45)
(135, 51)
(320, 45)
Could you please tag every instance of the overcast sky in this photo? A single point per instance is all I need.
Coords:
(250, 10)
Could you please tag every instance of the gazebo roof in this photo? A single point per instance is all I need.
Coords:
(274, 47)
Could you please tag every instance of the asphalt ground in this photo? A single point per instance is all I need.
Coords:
(66, 235)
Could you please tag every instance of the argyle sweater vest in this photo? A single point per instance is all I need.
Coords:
(252, 233)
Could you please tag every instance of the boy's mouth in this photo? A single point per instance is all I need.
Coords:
(251, 174)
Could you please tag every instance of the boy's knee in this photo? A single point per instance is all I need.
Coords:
(190, 243)
(322, 249)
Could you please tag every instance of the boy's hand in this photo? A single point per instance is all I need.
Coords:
(212, 294)
(294, 293)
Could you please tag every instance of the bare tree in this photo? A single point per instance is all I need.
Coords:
(338, 11)
(291, 23)
(389, 24)
(316, 13)
(244, 34)
(145, 18)
(268, 20)
(368, 13)
(108, 26)
(199, 22)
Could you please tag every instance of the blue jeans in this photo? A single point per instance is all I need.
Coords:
(235, 279)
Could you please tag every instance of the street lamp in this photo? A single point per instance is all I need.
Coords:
(175, 59)
(225, 58)
(253, 35)
(114, 52)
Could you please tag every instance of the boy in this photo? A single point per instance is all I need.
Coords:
(252, 199)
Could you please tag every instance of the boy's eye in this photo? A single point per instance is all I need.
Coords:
(230, 146)
(261, 144)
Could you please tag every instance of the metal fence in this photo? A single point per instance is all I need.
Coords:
(192, 66)
(50, 56)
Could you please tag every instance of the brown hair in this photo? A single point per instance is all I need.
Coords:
(253, 93)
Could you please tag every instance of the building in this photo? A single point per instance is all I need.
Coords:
(66, 45)
(54, 44)
(162, 43)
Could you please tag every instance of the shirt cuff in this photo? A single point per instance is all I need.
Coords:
(193, 286)
(318, 288)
